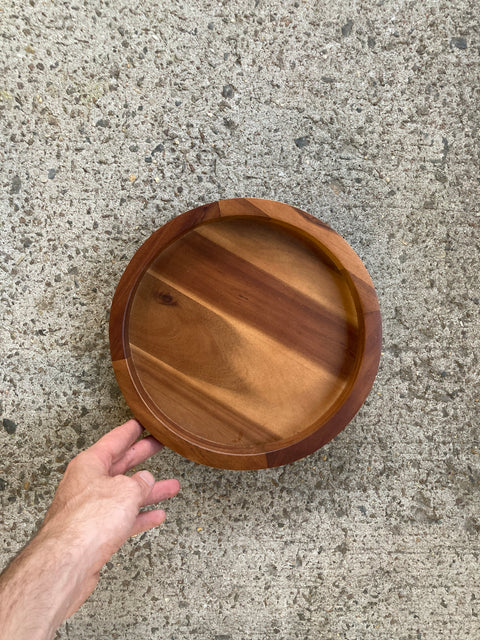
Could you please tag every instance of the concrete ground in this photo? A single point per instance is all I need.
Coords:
(117, 116)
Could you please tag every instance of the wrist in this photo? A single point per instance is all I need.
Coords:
(73, 542)
(37, 589)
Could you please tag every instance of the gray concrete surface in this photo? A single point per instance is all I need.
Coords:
(377, 534)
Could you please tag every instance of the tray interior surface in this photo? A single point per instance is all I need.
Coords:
(243, 334)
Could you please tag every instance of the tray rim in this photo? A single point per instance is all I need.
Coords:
(351, 399)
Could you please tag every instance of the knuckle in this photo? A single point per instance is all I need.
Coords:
(126, 487)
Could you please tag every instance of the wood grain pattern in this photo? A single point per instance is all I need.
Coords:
(245, 334)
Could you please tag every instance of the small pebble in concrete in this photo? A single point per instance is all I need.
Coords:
(16, 185)
(227, 91)
(302, 142)
(9, 425)
(347, 28)
(460, 43)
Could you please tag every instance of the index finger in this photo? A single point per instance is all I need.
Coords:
(115, 443)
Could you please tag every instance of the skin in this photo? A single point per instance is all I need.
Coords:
(95, 509)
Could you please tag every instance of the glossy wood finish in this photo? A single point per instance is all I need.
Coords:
(245, 334)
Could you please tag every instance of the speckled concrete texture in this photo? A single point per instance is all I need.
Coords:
(117, 116)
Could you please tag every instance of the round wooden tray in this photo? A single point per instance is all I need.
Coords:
(245, 334)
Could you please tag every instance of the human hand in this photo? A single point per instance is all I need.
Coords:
(95, 509)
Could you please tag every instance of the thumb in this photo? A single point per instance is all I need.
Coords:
(145, 482)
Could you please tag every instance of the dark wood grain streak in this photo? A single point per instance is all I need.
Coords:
(245, 346)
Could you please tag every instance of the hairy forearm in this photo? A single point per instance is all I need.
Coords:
(36, 589)
(95, 509)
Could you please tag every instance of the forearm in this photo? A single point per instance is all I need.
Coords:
(36, 590)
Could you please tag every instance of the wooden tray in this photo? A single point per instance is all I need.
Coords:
(245, 334)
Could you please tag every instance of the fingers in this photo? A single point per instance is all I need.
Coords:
(162, 490)
(137, 453)
(115, 443)
(159, 491)
(151, 491)
(147, 520)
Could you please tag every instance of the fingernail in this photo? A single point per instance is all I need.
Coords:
(147, 476)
